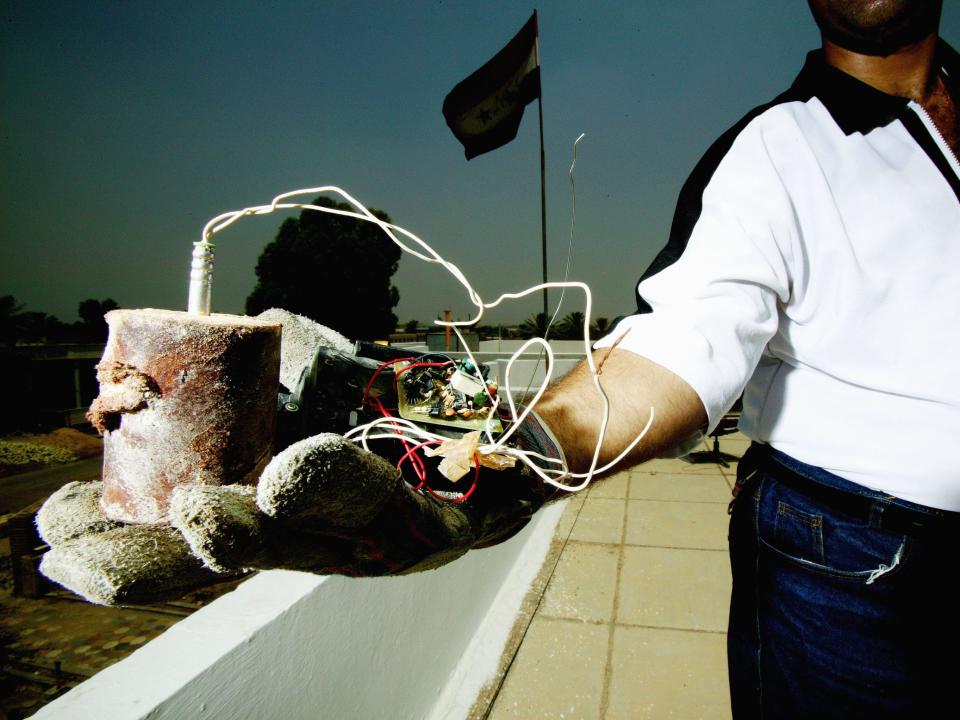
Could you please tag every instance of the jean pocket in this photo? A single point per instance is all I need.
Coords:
(815, 537)
(798, 532)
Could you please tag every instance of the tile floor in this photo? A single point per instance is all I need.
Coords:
(632, 620)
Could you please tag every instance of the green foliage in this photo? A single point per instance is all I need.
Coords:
(333, 269)
(569, 327)
(92, 326)
(600, 327)
(533, 326)
(9, 310)
(30, 326)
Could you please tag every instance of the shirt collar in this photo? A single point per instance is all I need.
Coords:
(855, 106)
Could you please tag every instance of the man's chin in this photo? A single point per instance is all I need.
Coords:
(876, 28)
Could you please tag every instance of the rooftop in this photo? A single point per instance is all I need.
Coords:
(628, 617)
(625, 617)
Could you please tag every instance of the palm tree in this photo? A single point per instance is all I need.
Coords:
(533, 326)
(570, 327)
(601, 326)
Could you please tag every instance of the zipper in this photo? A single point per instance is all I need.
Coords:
(937, 136)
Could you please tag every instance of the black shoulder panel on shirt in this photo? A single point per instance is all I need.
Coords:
(854, 106)
(690, 201)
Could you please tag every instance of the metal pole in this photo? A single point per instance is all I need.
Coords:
(543, 207)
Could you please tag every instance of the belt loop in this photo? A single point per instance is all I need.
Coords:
(747, 471)
(875, 519)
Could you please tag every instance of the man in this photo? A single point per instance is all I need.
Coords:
(812, 266)
(812, 269)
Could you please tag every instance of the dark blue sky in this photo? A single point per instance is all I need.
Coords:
(127, 125)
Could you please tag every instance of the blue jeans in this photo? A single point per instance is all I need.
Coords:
(832, 616)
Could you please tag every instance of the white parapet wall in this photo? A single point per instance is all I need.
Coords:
(291, 645)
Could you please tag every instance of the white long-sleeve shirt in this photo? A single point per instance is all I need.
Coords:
(814, 266)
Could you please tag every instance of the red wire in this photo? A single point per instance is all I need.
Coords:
(418, 467)
(410, 454)
(366, 393)
(468, 493)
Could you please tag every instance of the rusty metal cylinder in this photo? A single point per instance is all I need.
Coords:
(184, 399)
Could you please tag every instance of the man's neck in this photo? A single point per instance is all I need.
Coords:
(909, 72)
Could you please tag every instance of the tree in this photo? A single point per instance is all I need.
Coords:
(533, 326)
(9, 310)
(570, 327)
(601, 326)
(333, 269)
(29, 326)
(411, 326)
(92, 326)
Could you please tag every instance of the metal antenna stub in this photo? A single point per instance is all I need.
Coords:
(201, 278)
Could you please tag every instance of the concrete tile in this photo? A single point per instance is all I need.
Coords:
(737, 444)
(558, 672)
(611, 487)
(682, 487)
(601, 521)
(666, 587)
(565, 524)
(697, 525)
(730, 477)
(583, 585)
(676, 466)
(668, 673)
(737, 437)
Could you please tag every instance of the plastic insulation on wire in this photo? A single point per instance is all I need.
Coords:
(366, 392)
(410, 432)
(566, 267)
(410, 453)
(416, 461)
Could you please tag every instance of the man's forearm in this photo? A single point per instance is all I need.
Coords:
(573, 409)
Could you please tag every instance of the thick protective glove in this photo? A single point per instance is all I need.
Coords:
(322, 505)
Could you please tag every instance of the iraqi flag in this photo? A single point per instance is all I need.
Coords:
(484, 111)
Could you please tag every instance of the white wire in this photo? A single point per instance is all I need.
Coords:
(404, 429)
(566, 268)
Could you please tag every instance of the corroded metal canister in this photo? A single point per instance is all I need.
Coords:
(184, 399)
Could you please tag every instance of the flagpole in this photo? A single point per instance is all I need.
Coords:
(543, 200)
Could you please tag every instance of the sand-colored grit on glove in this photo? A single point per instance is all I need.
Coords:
(221, 524)
(226, 530)
(301, 338)
(327, 478)
(72, 511)
(126, 565)
(109, 563)
(327, 482)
